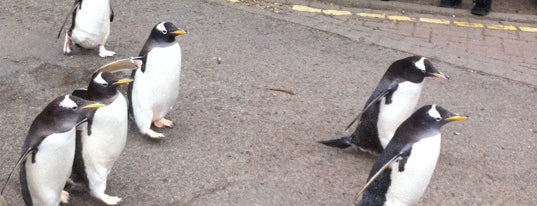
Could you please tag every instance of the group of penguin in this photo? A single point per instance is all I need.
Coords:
(76, 139)
(408, 141)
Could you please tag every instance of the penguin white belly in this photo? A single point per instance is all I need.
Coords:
(404, 100)
(53, 162)
(156, 90)
(108, 137)
(408, 186)
(92, 23)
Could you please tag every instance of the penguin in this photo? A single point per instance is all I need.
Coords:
(392, 101)
(405, 167)
(90, 26)
(156, 84)
(49, 149)
(101, 141)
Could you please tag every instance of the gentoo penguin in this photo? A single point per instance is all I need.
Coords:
(155, 88)
(391, 103)
(402, 173)
(49, 149)
(101, 141)
(90, 26)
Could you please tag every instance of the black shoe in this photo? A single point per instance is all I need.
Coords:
(450, 3)
(482, 7)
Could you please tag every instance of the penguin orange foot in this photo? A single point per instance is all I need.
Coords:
(163, 123)
(65, 197)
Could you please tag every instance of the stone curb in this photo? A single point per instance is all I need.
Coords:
(428, 9)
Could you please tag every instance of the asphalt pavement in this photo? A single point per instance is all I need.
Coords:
(240, 141)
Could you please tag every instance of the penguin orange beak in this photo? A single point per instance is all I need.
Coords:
(93, 106)
(178, 32)
(456, 118)
(123, 81)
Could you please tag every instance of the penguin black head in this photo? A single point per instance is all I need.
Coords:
(165, 32)
(60, 115)
(432, 117)
(104, 85)
(414, 69)
(67, 111)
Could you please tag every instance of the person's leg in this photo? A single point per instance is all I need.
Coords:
(450, 3)
(482, 7)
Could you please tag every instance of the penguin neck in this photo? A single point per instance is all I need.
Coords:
(106, 96)
(162, 40)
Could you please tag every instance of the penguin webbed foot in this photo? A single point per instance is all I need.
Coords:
(67, 45)
(64, 197)
(163, 123)
(154, 135)
(110, 200)
(105, 53)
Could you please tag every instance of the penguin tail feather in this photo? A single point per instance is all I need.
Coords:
(341, 143)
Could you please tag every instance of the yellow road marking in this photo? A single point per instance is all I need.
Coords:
(502, 27)
(401, 18)
(527, 29)
(371, 15)
(337, 12)
(468, 24)
(302, 8)
(434, 21)
(306, 9)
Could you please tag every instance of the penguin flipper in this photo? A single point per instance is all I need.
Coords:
(376, 175)
(19, 162)
(127, 64)
(367, 106)
(341, 143)
(72, 12)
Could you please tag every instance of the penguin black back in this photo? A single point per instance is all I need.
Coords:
(376, 125)
(59, 116)
(162, 34)
(423, 124)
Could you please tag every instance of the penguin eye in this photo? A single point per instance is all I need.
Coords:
(74, 108)
(164, 31)
(437, 119)
(105, 84)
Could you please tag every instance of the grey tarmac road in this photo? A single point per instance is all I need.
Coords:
(237, 142)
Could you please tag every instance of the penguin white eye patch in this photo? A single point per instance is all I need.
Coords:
(68, 103)
(434, 113)
(99, 79)
(420, 64)
(161, 28)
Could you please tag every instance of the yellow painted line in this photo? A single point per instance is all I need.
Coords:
(371, 15)
(302, 8)
(527, 29)
(468, 24)
(306, 9)
(401, 18)
(502, 27)
(435, 21)
(337, 12)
